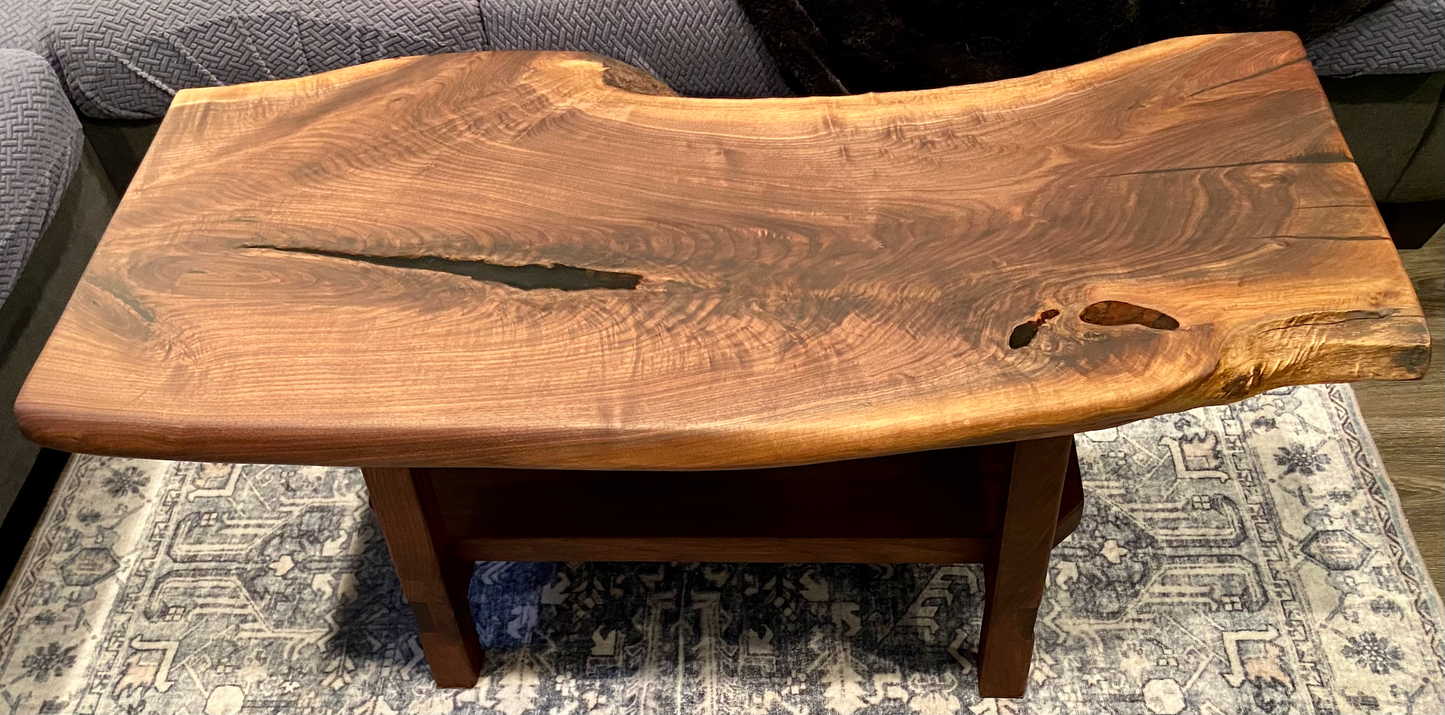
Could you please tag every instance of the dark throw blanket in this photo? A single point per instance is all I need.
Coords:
(850, 46)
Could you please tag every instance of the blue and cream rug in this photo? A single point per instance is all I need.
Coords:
(1241, 559)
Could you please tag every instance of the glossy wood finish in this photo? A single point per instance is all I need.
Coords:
(554, 265)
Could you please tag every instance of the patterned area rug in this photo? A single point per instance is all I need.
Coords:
(1241, 559)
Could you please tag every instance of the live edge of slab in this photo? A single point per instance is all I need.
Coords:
(545, 260)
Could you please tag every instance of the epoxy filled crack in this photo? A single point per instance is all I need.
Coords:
(1117, 312)
(531, 276)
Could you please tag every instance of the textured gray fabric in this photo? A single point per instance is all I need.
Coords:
(126, 58)
(22, 24)
(40, 142)
(698, 47)
(1405, 36)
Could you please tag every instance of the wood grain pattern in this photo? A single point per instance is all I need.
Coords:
(553, 264)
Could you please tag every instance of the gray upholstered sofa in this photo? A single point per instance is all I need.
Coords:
(83, 82)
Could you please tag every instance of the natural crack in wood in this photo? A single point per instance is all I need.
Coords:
(531, 276)
(1024, 333)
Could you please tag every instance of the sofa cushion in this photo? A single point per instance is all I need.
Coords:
(22, 24)
(698, 47)
(126, 58)
(1406, 36)
(1388, 122)
(40, 143)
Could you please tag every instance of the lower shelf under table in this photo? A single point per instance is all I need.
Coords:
(1003, 505)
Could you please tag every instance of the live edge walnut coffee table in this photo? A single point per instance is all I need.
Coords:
(510, 285)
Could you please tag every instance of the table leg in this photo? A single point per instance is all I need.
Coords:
(1016, 572)
(432, 579)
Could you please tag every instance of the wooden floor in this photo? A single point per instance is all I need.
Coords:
(1407, 419)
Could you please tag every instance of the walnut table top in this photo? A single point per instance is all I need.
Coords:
(548, 260)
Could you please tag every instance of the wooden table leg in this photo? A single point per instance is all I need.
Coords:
(432, 579)
(1016, 572)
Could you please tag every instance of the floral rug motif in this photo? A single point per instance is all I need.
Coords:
(1249, 558)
